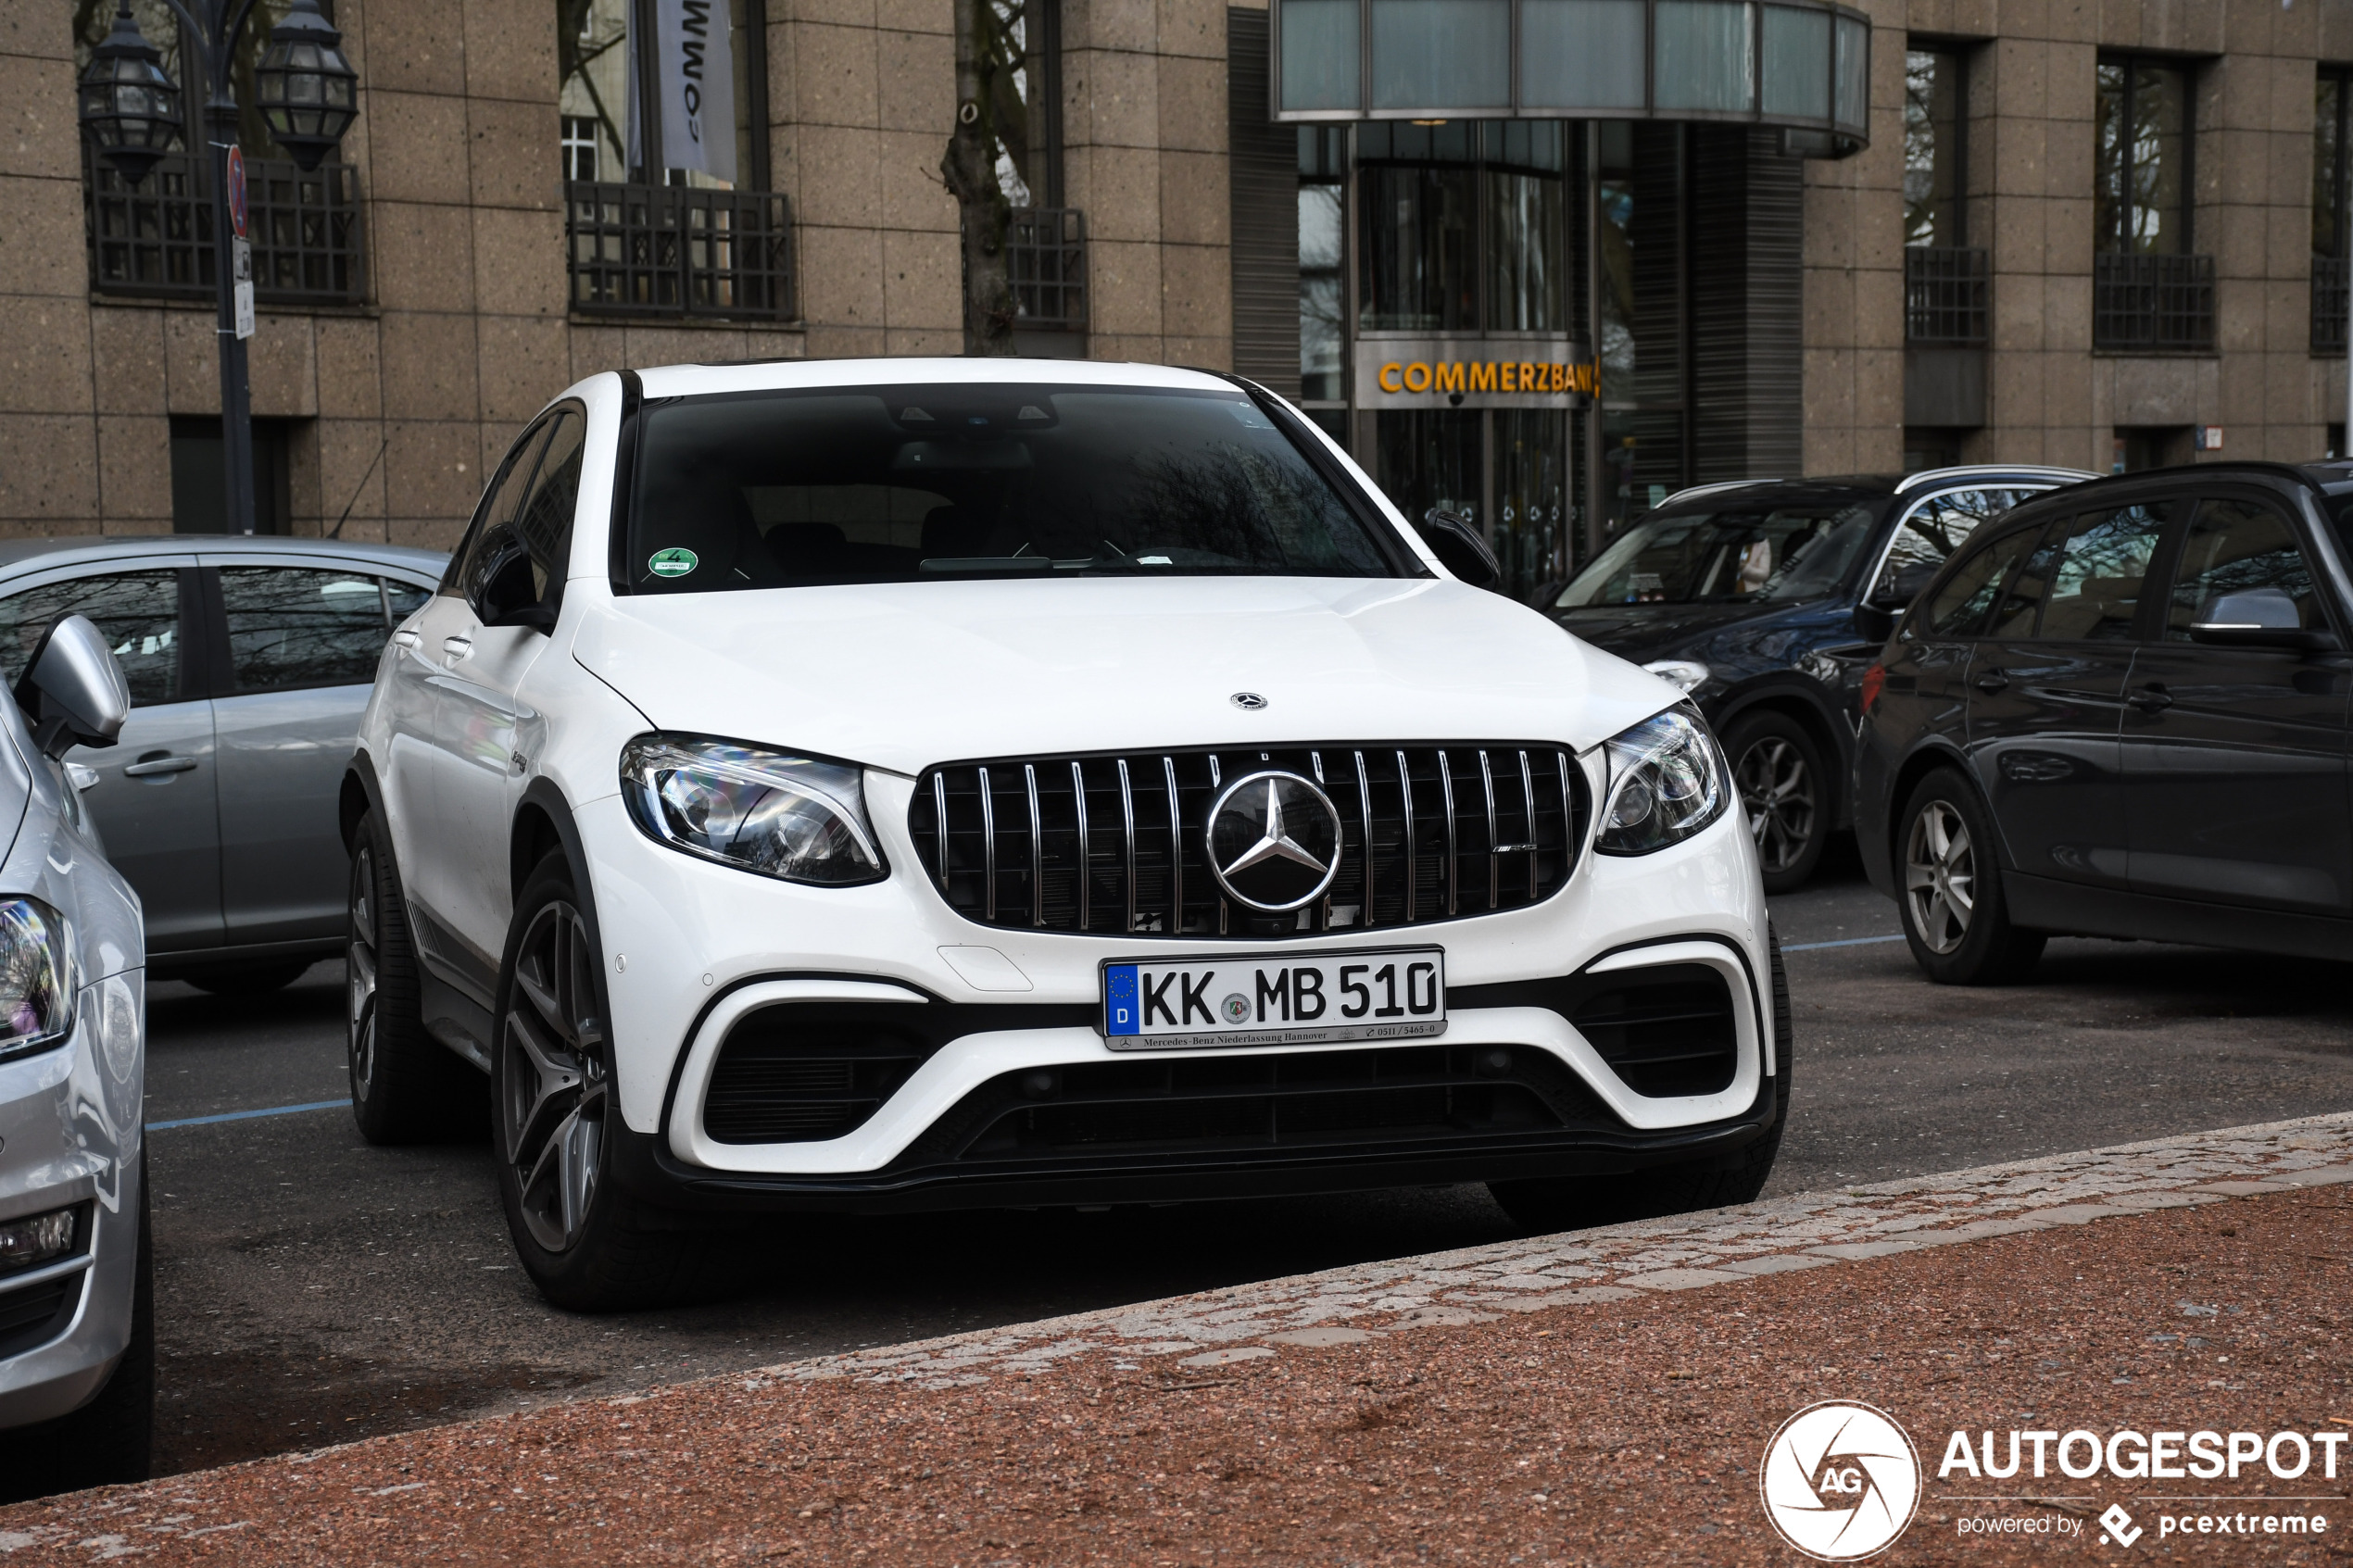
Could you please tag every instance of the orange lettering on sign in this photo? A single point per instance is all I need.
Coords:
(1510, 376)
(1482, 378)
(1449, 378)
(1387, 371)
(1417, 369)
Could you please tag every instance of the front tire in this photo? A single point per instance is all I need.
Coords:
(1955, 919)
(1784, 789)
(407, 1087)
(586, 1244)
(1546, 1204)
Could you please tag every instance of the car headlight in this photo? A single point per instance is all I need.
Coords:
(1665, 783)
(793, 818)
(36, 977)
(1686, 674)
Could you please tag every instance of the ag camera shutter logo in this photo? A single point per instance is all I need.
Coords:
(1840, 1481)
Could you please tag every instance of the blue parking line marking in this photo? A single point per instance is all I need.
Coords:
(249, 1115)
(1845, 942)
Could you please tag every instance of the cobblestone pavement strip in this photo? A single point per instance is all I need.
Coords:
(1540, 1400)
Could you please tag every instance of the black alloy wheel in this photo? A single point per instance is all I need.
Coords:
(1778, 770)
(588, 1245)
(405, 1087)
(552, 1077)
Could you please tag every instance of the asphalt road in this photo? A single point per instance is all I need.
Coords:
(313, 1290)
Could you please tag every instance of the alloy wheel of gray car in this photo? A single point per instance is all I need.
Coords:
(1939, 876)
(359, 972)
(552, 1090)
(1776, 787)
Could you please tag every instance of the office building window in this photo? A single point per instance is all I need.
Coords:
(581, 147)
(1322, 161)
(592, 52)
(1935, 147)
(2141, 184)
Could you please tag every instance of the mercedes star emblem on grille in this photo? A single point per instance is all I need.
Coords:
(1248, 702)
(1274, 841)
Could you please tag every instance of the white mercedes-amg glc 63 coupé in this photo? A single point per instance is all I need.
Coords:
(888, 785)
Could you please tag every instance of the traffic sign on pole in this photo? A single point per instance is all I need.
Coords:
(237, 191)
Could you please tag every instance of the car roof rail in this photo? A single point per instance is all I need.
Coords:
(1689, 491)
(1981, 471)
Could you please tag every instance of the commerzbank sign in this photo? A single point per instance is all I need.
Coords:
(1473, 372)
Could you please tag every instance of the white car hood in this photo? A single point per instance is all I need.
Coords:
(899, 676)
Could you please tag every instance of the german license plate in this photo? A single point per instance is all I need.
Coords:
(1275, 998)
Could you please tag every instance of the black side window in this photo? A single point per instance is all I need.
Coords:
(517, 555)
(498, 503)
(2236, 546)
(1939, 526)
(301, 626)
(137, 612)
(2096, 583)
(545, 519)
(1962, 603)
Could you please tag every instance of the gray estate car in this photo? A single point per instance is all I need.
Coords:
(249, 660)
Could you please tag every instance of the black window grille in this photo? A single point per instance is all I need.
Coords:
(1945, 293)
(2153, 303)
(1045, 259)
(156, 239)
(678, 250)
(2329, 278)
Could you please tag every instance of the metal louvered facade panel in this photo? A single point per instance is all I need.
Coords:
(1114, 846)
(1264, 195)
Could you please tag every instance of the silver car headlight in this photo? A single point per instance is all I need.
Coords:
(1665, 783)
(793, 818)
(36, 977)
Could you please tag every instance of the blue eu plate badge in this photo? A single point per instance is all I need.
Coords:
(1119, 999)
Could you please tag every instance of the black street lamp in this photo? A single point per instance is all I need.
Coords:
(307, 90)
(131, 109)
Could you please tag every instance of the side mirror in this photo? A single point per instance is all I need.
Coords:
(2256, 617)
(1460, 550)
(73, 693)
(1876, 617)
(503, 590)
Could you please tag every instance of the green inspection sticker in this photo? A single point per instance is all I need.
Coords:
(672, 562)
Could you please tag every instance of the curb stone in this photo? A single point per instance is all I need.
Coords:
(1359, 1302)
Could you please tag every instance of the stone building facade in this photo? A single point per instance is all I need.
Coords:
(1792, 317)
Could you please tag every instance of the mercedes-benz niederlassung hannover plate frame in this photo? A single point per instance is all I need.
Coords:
(1249, 999)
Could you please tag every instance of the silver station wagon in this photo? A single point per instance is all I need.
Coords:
(250, 660)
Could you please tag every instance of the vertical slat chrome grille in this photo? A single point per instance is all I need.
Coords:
(1086, 849)
(988, 845)
(1409, 848)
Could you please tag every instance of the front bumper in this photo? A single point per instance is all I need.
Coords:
(70, 1128)
(695, 949)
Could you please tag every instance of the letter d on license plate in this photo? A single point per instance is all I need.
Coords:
(1245, 999)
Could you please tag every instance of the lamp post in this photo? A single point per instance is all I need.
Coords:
(130, 111)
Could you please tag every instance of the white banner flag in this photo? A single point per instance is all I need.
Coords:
(695, 79)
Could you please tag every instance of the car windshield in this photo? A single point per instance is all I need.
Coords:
(1747, 554)
(920, 482)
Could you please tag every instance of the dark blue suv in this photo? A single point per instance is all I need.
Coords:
(1766, 600)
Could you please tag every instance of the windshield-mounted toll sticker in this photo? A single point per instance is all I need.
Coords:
(672, 562)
